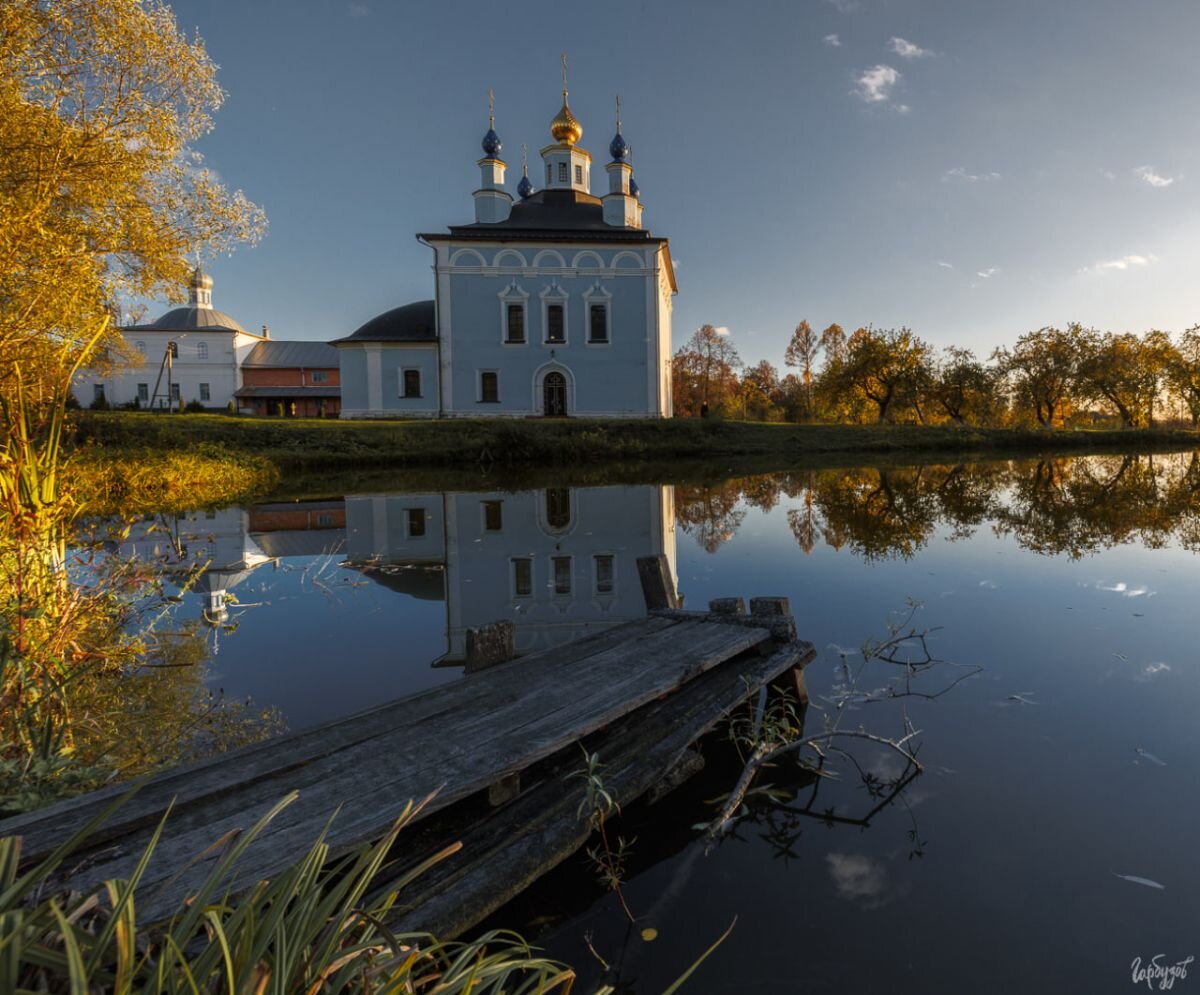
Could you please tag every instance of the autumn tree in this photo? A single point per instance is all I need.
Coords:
(801, 353)
(1123, 372)
(101, 196)
(704, 370)
(963, 388)
(883, 366)
(1183, 371)
(1041, 369)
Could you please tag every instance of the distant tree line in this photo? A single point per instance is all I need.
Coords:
(1050, 377)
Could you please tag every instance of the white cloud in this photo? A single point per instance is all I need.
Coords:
(875, 85)
(833, 41)
(907, 50)
(960, 175)
(1152, 178)
(1108, 174)
(902, 108)
(988, 273)
(1119, 265)
(945, 265)
(359, 10)
(722, 330)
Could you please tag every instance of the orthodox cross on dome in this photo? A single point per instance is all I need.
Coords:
(564, 72)
(618, 113)
(491, 108)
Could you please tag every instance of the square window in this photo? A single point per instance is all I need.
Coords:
(579, 174)
(319, 376)
(515, 331)
(493, 518)
(555, 329)
(205, 393)
(562, 574)
(416, 522)
(143, 392)
(412, 383)
(522, 576)
(489, 387)
(604, 573)
(562, 172)
(598, 323)
(324, 520)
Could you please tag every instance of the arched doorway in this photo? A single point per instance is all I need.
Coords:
(554, 395)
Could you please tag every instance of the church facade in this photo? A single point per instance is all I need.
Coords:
(555, 303)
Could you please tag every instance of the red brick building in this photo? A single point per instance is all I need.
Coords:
(291, 379)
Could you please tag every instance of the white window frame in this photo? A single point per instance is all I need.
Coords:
(203, 389)
(483, 506)
(320, 376)
(596, 571)
(479, 387)
(553, 587)
(140, 347)
(596, 294)
(512, 577)
(408, 532)
(400, 392)
(143, 393)
(554, 294)
(512, 294)
(202, 351)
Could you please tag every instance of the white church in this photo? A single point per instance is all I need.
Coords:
(555, 303)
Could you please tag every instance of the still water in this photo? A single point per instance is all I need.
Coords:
(1052, 839)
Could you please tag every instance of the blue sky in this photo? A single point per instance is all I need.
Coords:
(971, 169)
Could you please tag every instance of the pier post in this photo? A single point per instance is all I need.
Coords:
(658, 586)
(488, 645)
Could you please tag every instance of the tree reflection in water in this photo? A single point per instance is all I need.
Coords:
(1071, 505)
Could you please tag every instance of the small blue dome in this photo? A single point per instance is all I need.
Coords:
(491, 142)
(619, 148)
(524, 188)
(633, 187)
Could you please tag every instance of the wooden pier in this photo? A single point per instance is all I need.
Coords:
(638, 694)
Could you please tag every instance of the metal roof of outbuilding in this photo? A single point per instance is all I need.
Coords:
(416, 322)
(291, 354)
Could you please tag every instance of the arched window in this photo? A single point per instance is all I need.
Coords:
(202, 350)
(173, 349)
(558, 508)
(141, 347)
(554, 395)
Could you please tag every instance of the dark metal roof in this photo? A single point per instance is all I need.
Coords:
(297, 392)
(552, 215)
(280, 353)
(191, 319)
(416, 322)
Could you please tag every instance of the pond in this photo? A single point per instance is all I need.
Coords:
(1050, 842)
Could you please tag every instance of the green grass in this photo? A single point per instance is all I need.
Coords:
(470, 444)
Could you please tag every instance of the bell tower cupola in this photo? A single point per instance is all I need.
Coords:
(620, 203)
(492, 202)
(568, 167)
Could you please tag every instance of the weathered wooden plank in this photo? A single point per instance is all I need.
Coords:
(509, 726)
(503, 855)
(195, 783)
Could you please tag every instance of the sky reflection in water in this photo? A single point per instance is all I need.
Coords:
(1069, 765)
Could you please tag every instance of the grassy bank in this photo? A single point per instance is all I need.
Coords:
(310, 444)
(137, 478)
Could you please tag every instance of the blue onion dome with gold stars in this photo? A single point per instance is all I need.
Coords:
(618, 148)
(491, 142)
(524, 188)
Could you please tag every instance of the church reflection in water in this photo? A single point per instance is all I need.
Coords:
(557, 562)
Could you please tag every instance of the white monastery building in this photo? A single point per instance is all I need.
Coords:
(555, 303)
(207, 348)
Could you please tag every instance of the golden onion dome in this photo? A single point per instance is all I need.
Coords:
(565, 127)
